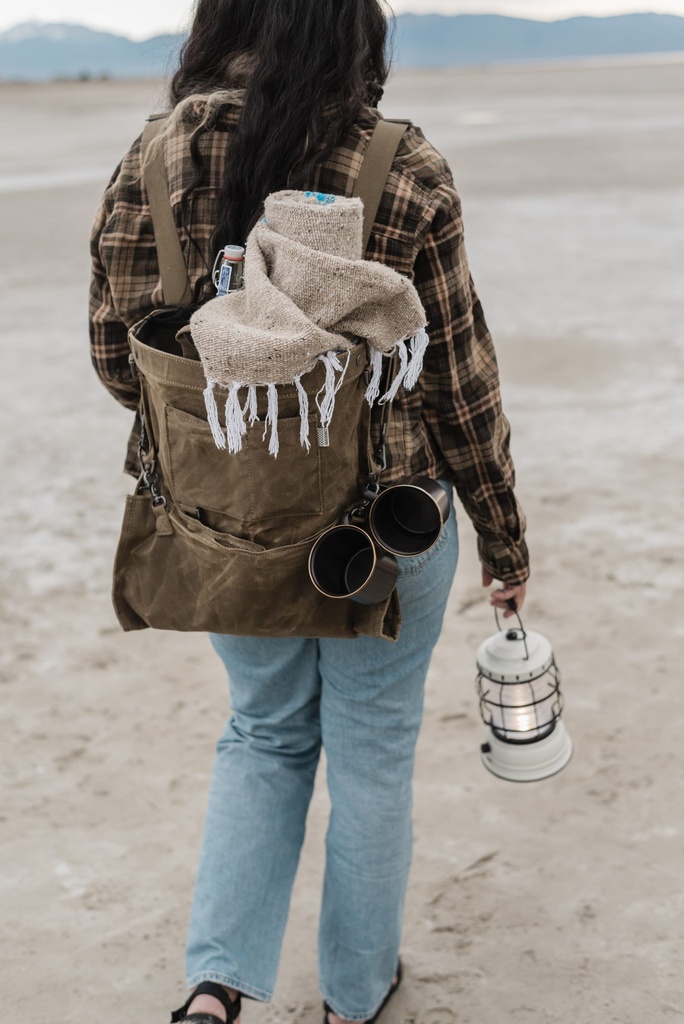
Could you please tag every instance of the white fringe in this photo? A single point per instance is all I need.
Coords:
(303, 414)
(236, 427)
(250, 408)
(344, 373)
(272, 421)
(326, 405)
(390, 395)
(419, 344)
(213, 416)
(373, 389)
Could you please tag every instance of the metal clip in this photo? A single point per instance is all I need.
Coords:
(357, 514)
(372, 489)
(380, 456)
(150, 478)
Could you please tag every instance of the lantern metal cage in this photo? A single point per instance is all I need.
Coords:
(524, 710)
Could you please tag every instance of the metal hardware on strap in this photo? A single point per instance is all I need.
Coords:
(380, 449)
(150, 476)
(379, 455)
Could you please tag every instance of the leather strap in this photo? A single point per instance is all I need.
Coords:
(369, 187)
(174, 273)
(208, 988)
(376, 165)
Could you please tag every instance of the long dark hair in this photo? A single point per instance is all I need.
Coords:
(313, 66)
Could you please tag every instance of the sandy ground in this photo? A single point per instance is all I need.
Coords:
(559, 902)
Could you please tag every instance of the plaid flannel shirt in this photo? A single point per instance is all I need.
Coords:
(452, 424)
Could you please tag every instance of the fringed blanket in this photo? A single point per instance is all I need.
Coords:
(308, 295)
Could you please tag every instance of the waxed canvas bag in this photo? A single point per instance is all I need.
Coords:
(220, 542)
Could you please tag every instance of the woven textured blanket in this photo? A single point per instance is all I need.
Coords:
(308, 296)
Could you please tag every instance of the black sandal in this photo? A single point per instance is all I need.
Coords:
(208, 988)
(393, 988)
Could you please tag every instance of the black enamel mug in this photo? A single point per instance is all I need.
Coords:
(407, 518)
(346, 563)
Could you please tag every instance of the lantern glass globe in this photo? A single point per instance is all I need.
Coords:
(522, 712)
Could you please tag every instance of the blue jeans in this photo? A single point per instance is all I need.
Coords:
(362, 701)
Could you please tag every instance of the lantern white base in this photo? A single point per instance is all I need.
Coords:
(528, 762)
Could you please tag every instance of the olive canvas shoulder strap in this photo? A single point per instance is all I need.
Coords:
(172, 268)
(375, 168)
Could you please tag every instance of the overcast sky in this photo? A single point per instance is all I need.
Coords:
(141, 18)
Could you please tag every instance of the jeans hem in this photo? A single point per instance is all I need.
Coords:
(232, 981)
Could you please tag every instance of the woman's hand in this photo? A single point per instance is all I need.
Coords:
(499, 598)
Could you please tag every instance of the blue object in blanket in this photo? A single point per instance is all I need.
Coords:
(323, 199)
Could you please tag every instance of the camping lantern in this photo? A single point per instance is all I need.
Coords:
(520, 700)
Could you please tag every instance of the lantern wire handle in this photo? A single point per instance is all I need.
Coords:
(512, 605)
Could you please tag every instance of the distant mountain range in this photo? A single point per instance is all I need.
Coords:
(34, 51)
(433, 40)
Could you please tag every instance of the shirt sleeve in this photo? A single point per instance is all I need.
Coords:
(461, 393)
(124, 284)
